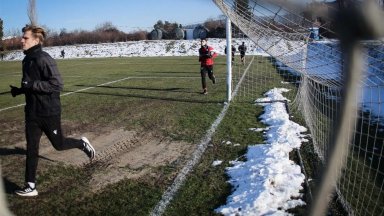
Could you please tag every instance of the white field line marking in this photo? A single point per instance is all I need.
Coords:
(103, 84)
(11, 73)
(196, 156)
(84, 89)
(7, 108)
(69, 93)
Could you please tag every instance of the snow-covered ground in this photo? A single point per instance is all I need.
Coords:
(144, 48)
(268, 183)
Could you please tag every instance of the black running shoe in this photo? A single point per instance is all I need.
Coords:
(27, 191)
(88, 148)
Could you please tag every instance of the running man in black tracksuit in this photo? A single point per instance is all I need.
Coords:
(41, 83)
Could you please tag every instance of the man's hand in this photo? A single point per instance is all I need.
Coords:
(208, 54)
(16, 91)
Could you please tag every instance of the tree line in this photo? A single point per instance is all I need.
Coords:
(109, 33)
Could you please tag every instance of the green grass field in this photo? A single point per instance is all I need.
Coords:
(160, 96)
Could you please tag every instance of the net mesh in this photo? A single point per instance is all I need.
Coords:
(314, 67)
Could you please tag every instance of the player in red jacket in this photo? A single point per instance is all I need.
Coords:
(206, 56)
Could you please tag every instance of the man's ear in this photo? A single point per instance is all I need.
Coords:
(37, 41)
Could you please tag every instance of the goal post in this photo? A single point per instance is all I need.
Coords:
(229, 58)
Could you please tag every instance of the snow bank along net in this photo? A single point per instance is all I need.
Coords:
(303, 41)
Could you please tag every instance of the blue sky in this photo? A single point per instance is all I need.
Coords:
(127, 15)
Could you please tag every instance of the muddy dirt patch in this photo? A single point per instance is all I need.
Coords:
(123, 154)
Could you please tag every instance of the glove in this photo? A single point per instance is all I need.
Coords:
(27, 84)
(16, 91)
(208, 54)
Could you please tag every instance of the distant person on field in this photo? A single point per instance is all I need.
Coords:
(2, 53)
(323, 33)
(233, 51)
(41, 84)
(242, 49)
(62, 53)
(206, 56)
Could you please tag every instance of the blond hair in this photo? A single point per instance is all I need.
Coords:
(37, 32)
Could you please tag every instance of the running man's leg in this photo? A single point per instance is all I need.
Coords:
(242, 56)
(33, 134)
(203, 73)
(52, 128)
(210, 74)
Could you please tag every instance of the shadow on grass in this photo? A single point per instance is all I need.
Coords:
(151, 97)
(171, 72)
(137, 88)
(7, 92)
(13, 151)
(18, 151)
(10, 186)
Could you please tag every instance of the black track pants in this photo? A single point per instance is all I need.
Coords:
(51, 126)
(203, 71)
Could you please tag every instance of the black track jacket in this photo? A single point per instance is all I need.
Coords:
(43, 98)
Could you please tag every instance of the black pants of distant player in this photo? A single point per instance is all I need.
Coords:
(242, 56)
(51, 126)
(204, 71)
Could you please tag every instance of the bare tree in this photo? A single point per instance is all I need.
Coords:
(32, 14)
(1, 30)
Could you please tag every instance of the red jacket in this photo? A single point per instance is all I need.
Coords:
(206, 55)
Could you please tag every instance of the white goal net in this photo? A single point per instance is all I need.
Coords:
(302, 40)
